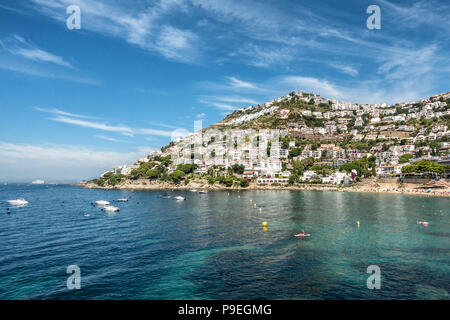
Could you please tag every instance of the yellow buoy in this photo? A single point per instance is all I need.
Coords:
(264, 224)
(357, 222)
(251, 200)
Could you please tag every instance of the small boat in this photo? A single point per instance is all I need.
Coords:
(424, 223)
(111, 209)
(122, 200)
(87, 215)
(102, 203)
(203, 192)
(179, 198)
(193, 190)
(302, 235)
(18, 202)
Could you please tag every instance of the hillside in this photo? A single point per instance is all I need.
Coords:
(303, 138)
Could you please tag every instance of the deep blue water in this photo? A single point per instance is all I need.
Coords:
(213, 246)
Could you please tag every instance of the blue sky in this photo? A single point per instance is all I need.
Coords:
(77, 102)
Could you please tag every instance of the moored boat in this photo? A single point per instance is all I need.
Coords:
(102, 203)
(17, 202)
(111, 209)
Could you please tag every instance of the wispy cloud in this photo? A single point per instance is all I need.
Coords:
(229, 103)
(310, 84)
(223, 106)
(230, 99)
(60, 162)
(177, 44)
(17, 45)
(78, 120)
(63, 113)
(41, 55)
(236, 83)
(143, 25)
(92, 125)
(19, 55)
(420, 12)
(109, 138)
(265, 56)
(345, 69)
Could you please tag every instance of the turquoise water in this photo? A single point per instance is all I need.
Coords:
(213, 246)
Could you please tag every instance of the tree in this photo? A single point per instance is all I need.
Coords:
(228, 182)
(424, 166)
(176, 176)
(153, 173)
(293, 178)
(298, 167)
(294, 152)
(100, 182)
(187, 168)
(244, 183)
(239, 169)
(361, 166)
(405, 158)
(211, 180)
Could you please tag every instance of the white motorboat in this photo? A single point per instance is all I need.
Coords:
(179, 198)
(18, 202)
(111, 209)
(122, 200)
(102, 203)
(193, 190)
(203, 192)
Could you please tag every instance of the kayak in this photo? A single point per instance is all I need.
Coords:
(302, 235)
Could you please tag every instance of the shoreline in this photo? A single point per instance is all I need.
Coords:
(164, 186)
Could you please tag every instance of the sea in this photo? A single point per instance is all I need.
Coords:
(214, 245)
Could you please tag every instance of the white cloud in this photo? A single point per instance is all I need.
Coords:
(230, 99)
(92, 125)
(201, 115)
(267, 56)
(420, 12)
(24, 162)
(124, 130)
(142, 24)
(41, 55)
(223, 106)
(17, 45)
(411, 63)
(109, 138)
(19, 55)
(310, 84)
(236, 83)
(60, 112)
(345, 69)
(177, 44)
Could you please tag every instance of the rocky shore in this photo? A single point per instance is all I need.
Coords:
(371, 187)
